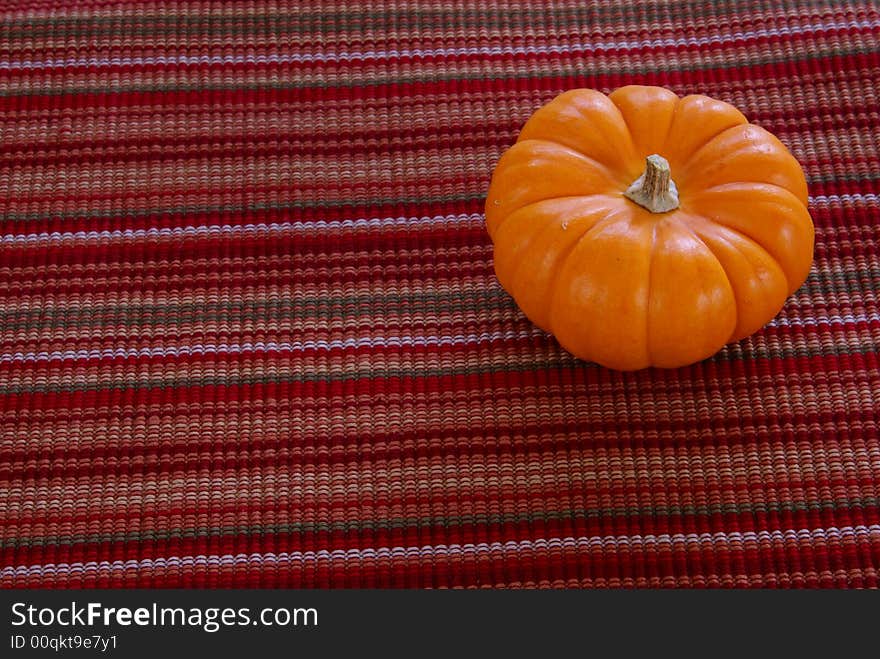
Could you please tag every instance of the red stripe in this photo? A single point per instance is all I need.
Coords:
(826, 82)
(289, 192)
(25, 458)
(452, 535)
(311, 94)
(577, 524)
(305, 257)
(302, 266)
(351, 209)
(258, 245)
(794, 41)
(448, 355)
(289, 211)
(488, 132)
(534, 566)
(420, 384)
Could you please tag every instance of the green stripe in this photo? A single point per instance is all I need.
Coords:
(331, 22)
(401, 523)
(330, 306)
(237, 379)
(235, 308)
(83, 214)
(263, 310)
(835, 281)
(733, 352)
(248, 208)
(574, 69)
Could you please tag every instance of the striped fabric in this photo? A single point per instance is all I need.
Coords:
(250, 333)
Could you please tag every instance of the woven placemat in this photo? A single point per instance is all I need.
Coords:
(250, 333)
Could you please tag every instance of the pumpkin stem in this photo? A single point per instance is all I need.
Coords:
(654, 189)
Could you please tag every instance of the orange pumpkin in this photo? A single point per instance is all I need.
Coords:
(643, 229)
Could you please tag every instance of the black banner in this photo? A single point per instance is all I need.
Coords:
(135, 623)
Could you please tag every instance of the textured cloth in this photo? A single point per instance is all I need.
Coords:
(250, 333)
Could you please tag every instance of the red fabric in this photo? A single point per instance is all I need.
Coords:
(250, 332)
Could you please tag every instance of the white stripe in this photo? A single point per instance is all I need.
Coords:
(260, 347)
(844, 319)
(366, 342)
(310, 225)
(669, 542)
(234, 229)
(869, 198)
(435, 52)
